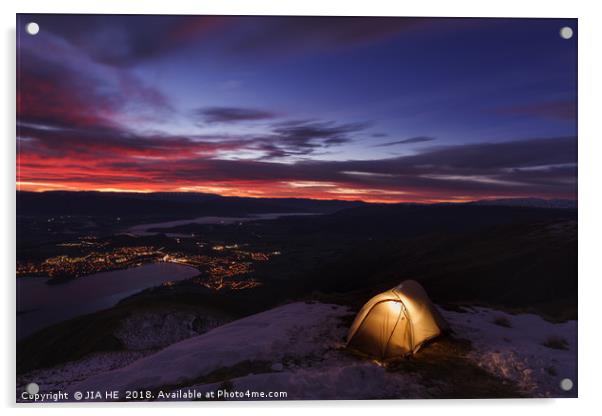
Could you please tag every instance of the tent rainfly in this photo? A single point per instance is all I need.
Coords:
(396, 322)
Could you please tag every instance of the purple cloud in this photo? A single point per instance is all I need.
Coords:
(562, 109)
(232, 114)
(411, 140)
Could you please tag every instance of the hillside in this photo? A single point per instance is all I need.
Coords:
(170, 205)
(297, 349)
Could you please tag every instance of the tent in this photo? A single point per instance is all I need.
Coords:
(396, 322)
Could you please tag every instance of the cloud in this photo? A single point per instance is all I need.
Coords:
(66, 89)
(298, 33)
(532, 167)
(282, 139)
(71, 132)
(411, 140)
(126, 40)
(105, 143)
(308, 133)
(51, 93)
(285, 140)
(232, 114)
(491, 156)
(297, 138)
(561, 109)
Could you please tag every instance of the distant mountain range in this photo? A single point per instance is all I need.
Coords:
(198, 204)
(176, 204)
(530, 202)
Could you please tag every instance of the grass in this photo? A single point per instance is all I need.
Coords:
(78, 337)
(555, 342)
(222, 375)
(70, 340)
(448, 374)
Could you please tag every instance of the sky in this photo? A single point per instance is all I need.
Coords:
(375, 109)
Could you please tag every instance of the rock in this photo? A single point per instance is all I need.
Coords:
(277, 367)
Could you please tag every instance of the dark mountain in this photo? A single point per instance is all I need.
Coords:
(403, 220)
(528, 265)
(530, 202)
(164, 204)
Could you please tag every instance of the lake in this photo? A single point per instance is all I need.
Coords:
(40, 305)
(144, 229)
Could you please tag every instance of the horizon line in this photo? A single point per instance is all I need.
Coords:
(388, 202)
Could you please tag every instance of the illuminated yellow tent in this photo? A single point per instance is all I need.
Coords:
(396, 322)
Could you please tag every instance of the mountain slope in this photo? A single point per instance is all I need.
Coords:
(297, 349)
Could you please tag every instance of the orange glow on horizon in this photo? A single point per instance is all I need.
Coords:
(256, 190)
(227, 192)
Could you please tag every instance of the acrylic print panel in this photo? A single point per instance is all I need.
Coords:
(283, 208)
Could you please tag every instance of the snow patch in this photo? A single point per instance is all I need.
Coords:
(517, 352)
(61, 376)
(350, 380)
(294, 330)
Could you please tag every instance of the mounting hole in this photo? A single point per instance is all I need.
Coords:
(566, 384)
(32, 28)
(32, 388)
(566, 32)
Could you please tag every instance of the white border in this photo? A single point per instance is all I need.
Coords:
(590, 201)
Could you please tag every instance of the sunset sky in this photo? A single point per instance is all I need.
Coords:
(377, 109)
